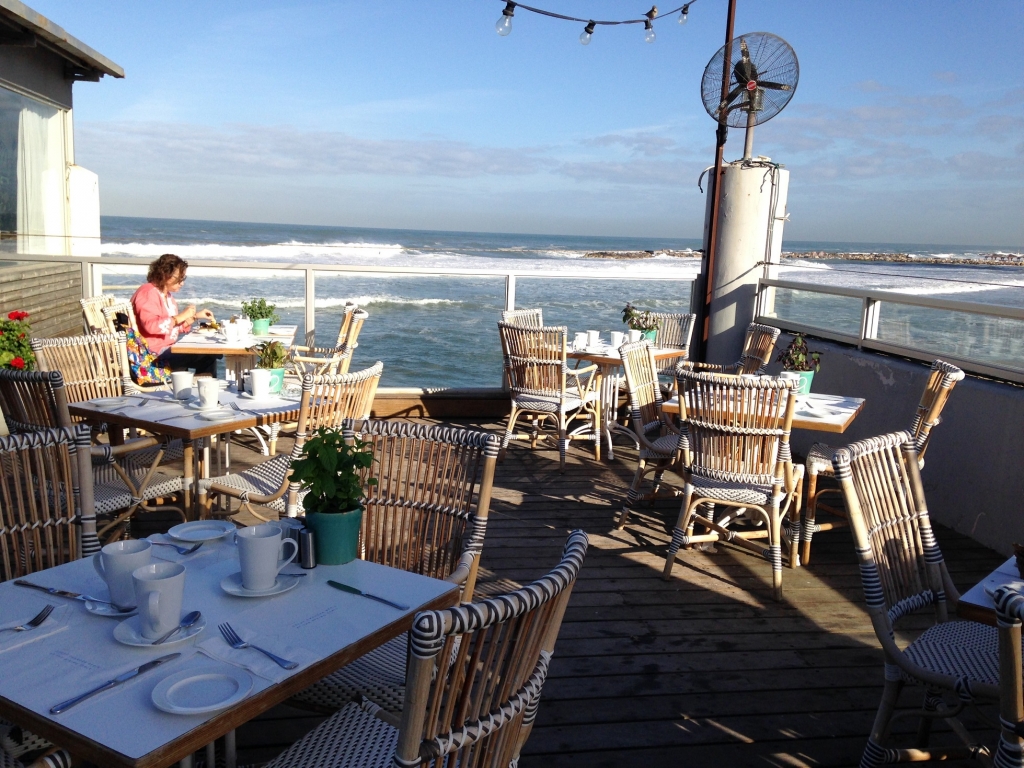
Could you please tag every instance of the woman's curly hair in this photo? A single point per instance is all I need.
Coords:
(165, 269)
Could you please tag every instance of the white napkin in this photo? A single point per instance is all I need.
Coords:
(252, 660)
(56, 622)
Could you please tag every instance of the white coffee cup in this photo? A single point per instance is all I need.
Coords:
(261, 555)
(159, 589)
(116, 562)
(593, 338)
(259, 382)
(617, 337)
(181, 382)
(209, 393)
(635, 335)
(232, 332)
(579, 341)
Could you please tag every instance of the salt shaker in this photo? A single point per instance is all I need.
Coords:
(307, 553)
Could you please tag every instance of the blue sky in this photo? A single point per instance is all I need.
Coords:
(905, 127)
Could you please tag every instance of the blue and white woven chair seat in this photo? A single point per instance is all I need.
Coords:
(379, 676)
(551, 405)
(264, 479)
(351, 737)
(664, 447)
(740, 493)
(819, 459)
(113, 495)
(958, 649)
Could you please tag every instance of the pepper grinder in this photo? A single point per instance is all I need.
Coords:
(307, 552)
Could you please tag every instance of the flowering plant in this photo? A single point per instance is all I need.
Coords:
(15, 347)
(798, 357)
(639, 320)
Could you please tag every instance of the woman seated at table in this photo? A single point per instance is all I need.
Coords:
(159, 320)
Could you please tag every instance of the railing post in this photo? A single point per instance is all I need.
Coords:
(310, 308)
(869, 319)
(510, 292)
(87, 280)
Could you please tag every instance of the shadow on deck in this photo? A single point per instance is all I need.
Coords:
(704, 670)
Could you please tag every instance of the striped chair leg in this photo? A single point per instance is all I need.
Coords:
(932, 700)
(875, 755)
(632, 495)
(563, 446)
(513, 415)
(808, 517)
(658, 476)
(680, 534)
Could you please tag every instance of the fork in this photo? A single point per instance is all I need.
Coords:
(235, 405)
(35, 622)
(181, 550)
(231, 638)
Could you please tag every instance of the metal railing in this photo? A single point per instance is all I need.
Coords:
(981, 338)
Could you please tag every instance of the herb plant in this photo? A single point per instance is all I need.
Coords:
(329, 469)
(270, 354)
(258, 309)
(798, 357)
(639, 320)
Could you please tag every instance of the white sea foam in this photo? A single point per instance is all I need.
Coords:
(320, 303)
(336, 252)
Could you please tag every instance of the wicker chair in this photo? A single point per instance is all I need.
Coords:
(736, 454)
(326, 402)
(902, 571)
(427, 514)
(819, 458)
(92, 366)
(110, 316)
(674, 332)
(524, 318)
(757, 349)
(36, 400)
(1009, 611)
(653, 431)
(543, 386)
(321, 361)
(92, 312)
(474, 680)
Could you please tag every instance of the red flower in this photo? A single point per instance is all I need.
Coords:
(17, 315)
(21, 335)
(18, 363)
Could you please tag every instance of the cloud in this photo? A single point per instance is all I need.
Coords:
(945, 77)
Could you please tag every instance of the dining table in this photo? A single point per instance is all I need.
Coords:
(139, 723)
(161, 413)
(976, 603)
(237, 356)
(814, 411)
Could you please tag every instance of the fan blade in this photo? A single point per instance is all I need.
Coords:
(774, 86)
(732, 95)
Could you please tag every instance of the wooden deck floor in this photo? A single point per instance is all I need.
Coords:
(705, 670)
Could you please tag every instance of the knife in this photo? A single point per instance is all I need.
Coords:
(66, 705)
(354, 591)
(71, 595)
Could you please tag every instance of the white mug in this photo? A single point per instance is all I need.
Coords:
(261, 555)
(259, 382)
(116, 562)
(181, 382)
(635, 336)
(209, 393)
(593, 338)
(232, 332)
(579, 341)
(617, 338)
(159, 589)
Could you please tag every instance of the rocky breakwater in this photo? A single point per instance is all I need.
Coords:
(983, 259)
(640, 254)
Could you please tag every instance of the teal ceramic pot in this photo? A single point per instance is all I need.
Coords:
(261, 327)
(651, 336)
(805, 382)
(276, 380)
(335, 535)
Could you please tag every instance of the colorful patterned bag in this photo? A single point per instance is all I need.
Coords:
(142, 362)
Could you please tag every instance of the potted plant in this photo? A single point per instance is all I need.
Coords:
(15, 344)
(272, 355)
(261, 315)
(637, 320)
(329, 470)
(798, 358)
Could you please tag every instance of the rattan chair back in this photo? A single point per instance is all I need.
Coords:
(92, 366)
(41, 500)
(943, 378)
(757, 348)
(110, 316)
(535, 359)
(475, 672)
(428, 511)
(525, 318)
(674, 332)
(92, 312)
(737, 428)
(343, 396)
(900, 562)
(33, 400)
(645, 396)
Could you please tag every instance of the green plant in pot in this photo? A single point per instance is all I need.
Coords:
(272, 355)
(261, 315)
(798, 358)
(639, 320)
(331, 471)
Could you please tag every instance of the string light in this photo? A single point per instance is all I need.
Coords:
(504, 25)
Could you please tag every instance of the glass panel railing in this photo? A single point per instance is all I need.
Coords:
(837, 314)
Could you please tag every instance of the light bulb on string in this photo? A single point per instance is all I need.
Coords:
(685, 15)
(504, 25)
(586, 33)
(649, 33)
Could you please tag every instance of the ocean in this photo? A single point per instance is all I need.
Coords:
(440, 331)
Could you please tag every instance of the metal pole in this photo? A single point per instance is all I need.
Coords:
(721, 134)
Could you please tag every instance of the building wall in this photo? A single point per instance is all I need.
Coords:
(37, 70)
(48, 292)
(974, 468)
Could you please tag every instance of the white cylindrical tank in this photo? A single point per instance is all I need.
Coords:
(750, 222)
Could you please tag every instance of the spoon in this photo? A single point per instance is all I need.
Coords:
(188, 621)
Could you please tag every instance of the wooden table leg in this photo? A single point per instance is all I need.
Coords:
(188, 459)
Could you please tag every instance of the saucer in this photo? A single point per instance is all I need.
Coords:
(193, 405)
(127, 633)
(269, 396)
(108, 611)
(110, 402)
(218, 414)
(233, 585)
(189, 692)
(201, 530)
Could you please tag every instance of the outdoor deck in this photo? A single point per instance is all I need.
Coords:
(706, 670)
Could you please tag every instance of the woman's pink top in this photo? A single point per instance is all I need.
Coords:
(155, 315)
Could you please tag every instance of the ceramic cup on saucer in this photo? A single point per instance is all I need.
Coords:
(635, 336)
(790, 376)
(181, 381)
(593, 338)
(579, 341)
(617, 339)
(159, 588)
(259, 382)
(261, 555)
(116, 562)
(209, 393)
